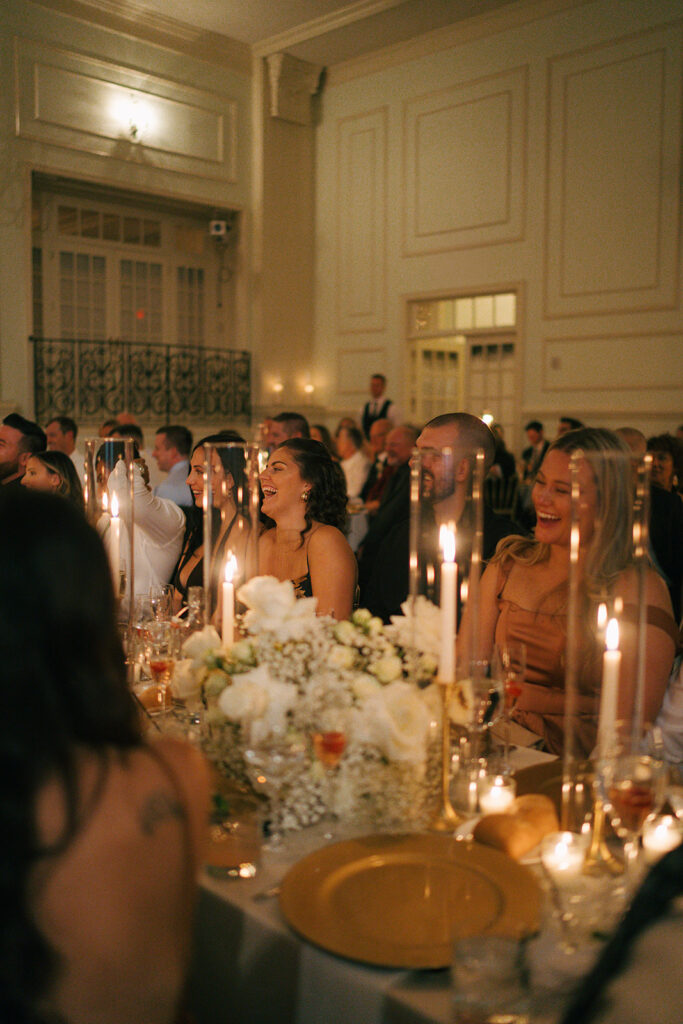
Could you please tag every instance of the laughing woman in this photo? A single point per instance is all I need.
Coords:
(525, 590)
(304, 498)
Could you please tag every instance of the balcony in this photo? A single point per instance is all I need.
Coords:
(94, 380)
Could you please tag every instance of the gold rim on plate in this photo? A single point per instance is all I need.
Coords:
(398, 900)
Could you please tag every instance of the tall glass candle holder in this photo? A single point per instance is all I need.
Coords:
(231, 521)
(111, 475)
(446, 527)
(604, 678)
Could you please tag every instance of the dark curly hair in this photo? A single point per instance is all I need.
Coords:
(327, 496)
(670, 445)
(64, 690)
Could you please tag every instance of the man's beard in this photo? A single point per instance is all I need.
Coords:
(8, 469)
(434, 491)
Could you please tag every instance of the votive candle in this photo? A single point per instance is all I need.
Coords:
(660, 835)
(496, 794)
(563, 854)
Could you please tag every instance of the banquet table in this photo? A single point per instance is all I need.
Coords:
(250, 966)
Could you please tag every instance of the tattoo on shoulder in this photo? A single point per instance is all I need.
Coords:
(159, 807)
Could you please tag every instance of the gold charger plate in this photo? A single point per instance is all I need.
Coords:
(395, 900)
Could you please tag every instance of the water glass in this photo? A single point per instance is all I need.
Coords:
(490, 980)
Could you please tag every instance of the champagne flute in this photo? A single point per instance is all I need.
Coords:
(161, 662)
(512, 658)
(329, 744)
(161, 600)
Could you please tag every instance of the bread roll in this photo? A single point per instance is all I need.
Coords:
(518, 831)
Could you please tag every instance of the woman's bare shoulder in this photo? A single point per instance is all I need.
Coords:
(627, 586)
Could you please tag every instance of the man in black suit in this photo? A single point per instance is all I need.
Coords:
(532, 457)
(379, 407)
(385, 582)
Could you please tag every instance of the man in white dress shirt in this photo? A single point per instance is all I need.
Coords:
(61, 433)
(171, 452)
(354, 462)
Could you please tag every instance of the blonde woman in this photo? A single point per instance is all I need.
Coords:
(525, 590)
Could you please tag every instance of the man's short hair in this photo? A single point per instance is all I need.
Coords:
(178, 437)
(534, 425)
(293, 423)
(378, 376)
(129, 430)
(354, 435)
(33, 437)
(66, 425)
(574, 424)
(472, 433)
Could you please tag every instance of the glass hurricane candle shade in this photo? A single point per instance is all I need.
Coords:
(231, 505)
(109, 468)
(606, 622)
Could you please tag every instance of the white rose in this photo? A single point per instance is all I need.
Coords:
(387, 669)
(185, 681)
(271, 603)
(341, 657)
(243, 700)
(364, 685)
(344, 632)
(361, 617)
(419, 626)
(200, 643)
(396, 720)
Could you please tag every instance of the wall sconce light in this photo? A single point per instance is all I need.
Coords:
(278, 387)
(133, 115)
(309, 388)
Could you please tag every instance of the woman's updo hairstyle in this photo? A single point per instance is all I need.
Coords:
(327, 495)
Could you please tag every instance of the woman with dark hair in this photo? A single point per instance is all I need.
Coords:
(319, 432)
(304, 497)
(229, 524)
(525, 591)
(102, 832)
(55, 473)
(667, 461)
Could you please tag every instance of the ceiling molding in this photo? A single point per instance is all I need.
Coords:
(133, 20)
(321, 26)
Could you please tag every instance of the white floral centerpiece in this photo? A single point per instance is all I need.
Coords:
(266, 695)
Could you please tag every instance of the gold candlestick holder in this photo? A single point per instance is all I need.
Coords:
(600, 860)
(446, 818)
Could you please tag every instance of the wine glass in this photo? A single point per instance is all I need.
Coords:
(161, 600)
(160, 647)
(512, 659)
(631, 783)
(484, 691)
(329, 744)
(274, 769)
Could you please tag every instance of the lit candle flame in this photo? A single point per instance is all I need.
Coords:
(114, 505)
(105, 501)
(230, 567)
(612, 635)
(447, 543)
(602, 615)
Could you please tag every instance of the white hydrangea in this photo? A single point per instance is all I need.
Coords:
(396, 720)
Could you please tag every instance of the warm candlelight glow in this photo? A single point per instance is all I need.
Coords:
(602, 615)
(230, 567)
(114, 505)
(612, 635)
(105, 502)
(447, 542)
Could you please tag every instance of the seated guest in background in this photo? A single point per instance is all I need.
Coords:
(566, 424)
(107, 426)
(19, 439)
(229, 529)
(503, 466)
(132, 430)
(171, 452)
(304, 500)
(103, 830)
(667, 461)
(61, 433)
(379, 473)
(55, 473)
(354, 462)
(532, 457)
(319, 432)
(446, 499)
(286, 425)
(524, 593)
(158, 524)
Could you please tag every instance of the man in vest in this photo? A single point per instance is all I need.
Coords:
(379, 407)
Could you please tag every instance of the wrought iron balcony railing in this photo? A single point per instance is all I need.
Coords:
(91, 380)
